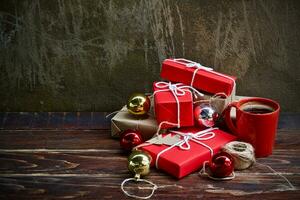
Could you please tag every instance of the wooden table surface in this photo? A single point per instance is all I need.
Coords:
(72, 156)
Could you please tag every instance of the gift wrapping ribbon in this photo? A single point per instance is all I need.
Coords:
(177, 89)
(198, 66)
(184, 143)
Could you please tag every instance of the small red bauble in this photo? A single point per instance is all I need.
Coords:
(221, 165)
(130, 138)
(205, 115)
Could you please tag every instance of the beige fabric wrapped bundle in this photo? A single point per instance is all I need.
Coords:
(124, 120)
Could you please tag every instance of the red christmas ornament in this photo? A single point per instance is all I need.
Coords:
(130, 138)
(205, 115)
(221, 165)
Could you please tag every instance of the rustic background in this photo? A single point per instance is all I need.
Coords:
(89, 55)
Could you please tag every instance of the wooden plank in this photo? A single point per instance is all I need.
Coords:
(40, 120)
(84, 120)
(99, 120)
(18, 120)
(107, 162)
(289, 121)
(91, 120)
(59, 161)
(108, 187)
(56, 120)
(60, 157)
(57, 139)
(3, 116)
(91, 139)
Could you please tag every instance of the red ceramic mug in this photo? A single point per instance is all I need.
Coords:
(256, 123)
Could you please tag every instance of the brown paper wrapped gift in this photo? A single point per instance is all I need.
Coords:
(124, 120)
(219, 102)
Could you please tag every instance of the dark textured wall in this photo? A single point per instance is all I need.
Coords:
(63, 55)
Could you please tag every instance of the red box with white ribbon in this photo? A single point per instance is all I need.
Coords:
(194, 74)
(182, 152)
(173, 105)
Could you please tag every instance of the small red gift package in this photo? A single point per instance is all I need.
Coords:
(197, 76)
(182, 152)
(173, 105)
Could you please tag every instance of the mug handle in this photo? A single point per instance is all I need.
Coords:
(228, 119)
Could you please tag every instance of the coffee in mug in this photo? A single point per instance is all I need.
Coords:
(256, 108)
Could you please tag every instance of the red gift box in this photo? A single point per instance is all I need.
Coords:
(166, 107)
(205, 79)
(180, 161)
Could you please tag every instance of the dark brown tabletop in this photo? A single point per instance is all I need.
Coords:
(72, 156)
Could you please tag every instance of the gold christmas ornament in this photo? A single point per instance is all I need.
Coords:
(138, 104)
(139, 163)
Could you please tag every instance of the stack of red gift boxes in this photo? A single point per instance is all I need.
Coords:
(179, 145)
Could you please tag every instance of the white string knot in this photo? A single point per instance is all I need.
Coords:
(177, 90)
(192, 64)
(184, 143)
(197, 137)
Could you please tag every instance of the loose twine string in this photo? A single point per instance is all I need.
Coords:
(244, 157)
(219, 95)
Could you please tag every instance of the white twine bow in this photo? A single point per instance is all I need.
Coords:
(186, 138)
(198, 66)
(177, 89)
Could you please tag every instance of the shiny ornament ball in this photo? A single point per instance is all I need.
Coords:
(139, 163)
(221, 165)
(205, 115)
(130, 138)
(138, 104)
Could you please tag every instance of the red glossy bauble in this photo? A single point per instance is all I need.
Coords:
(205, 115)
(221, 165)
(130, 138)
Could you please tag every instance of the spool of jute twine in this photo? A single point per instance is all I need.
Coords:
(242, 153)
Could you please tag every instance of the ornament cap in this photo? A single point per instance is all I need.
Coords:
(137, 176)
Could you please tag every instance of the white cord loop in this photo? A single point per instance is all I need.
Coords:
(155, 187)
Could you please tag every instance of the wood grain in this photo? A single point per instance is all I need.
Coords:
(89, 120)
(54, 120)
(62, 161)
(91, 139)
